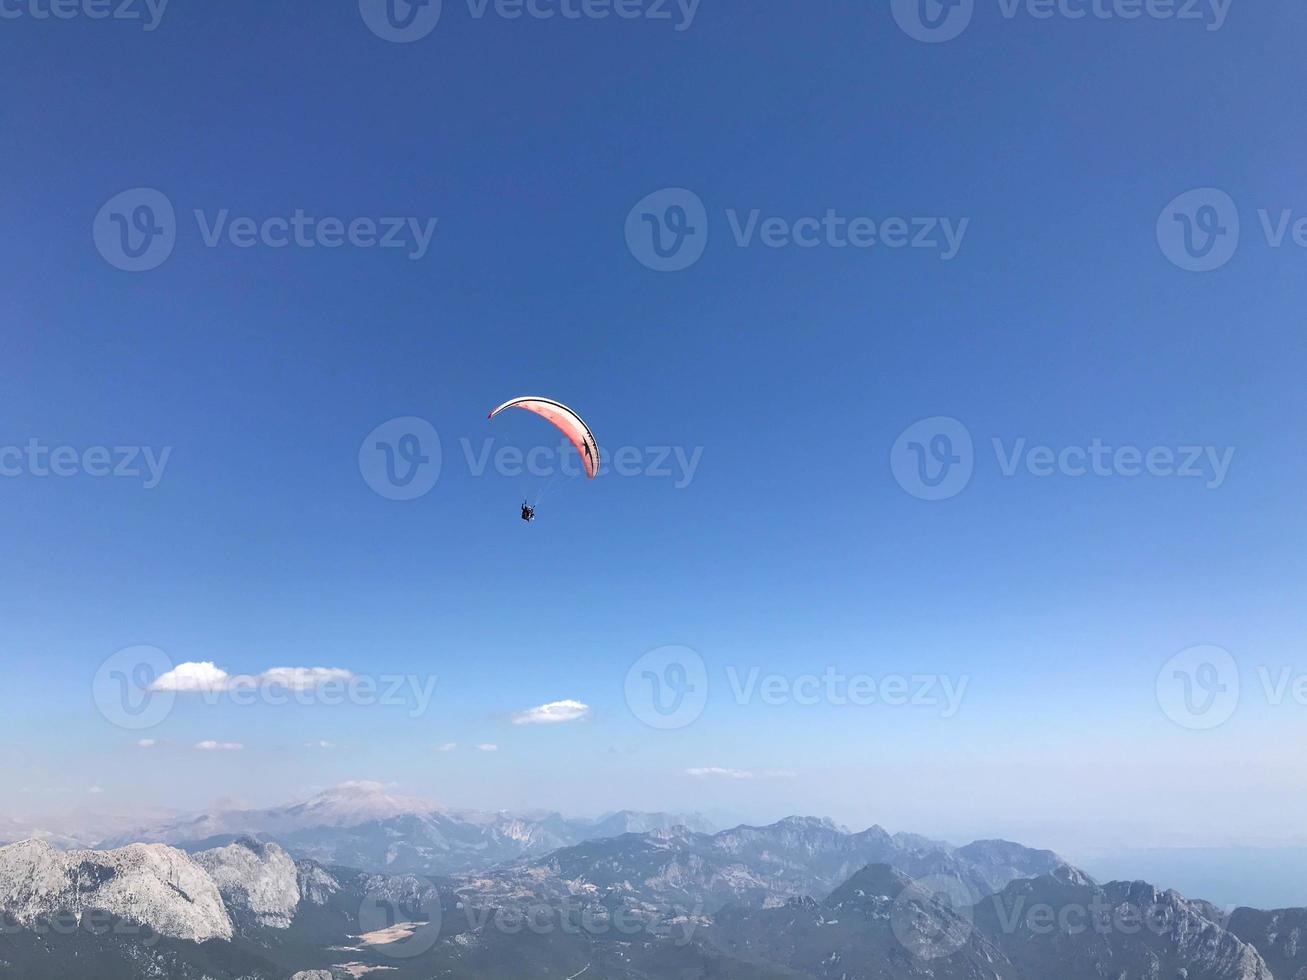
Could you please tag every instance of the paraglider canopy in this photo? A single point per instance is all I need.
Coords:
(567, 422)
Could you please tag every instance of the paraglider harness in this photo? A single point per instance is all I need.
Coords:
(528, 512)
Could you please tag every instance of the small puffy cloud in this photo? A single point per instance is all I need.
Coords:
(716, 772)
(94, 790)
(554, 713)
(191, 678)
(487, 747)
(320, 744)
(212, 746)
(147, 743)
(447, 747)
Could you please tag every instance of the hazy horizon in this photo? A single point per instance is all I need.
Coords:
(1267, 876)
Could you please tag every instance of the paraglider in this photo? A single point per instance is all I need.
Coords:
(568, 423)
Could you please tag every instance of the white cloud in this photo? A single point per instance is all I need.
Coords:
(94, 790)
(192, 678)
(487, 747)
(447, 747)
(320, 744)
(716, 772)
(147, 743)
(212, 746)
(553, 713)
(205, 676)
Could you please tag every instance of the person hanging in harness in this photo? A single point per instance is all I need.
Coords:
(528, 512)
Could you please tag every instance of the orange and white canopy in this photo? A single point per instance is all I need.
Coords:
(567, 422)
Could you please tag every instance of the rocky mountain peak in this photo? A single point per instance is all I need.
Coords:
(1074, 877)
(259, 882)
(873, 881)
(814, 824)
(152, 886)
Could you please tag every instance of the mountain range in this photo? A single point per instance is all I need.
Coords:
(363, 825)
(627, 897)
(751, 866)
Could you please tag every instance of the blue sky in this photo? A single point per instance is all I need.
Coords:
(794, 370)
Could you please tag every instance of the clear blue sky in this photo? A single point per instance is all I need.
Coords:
(794, 548)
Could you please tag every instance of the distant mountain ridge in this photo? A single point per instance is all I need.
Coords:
(756, 865)
(363, 825)
(664, 857)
